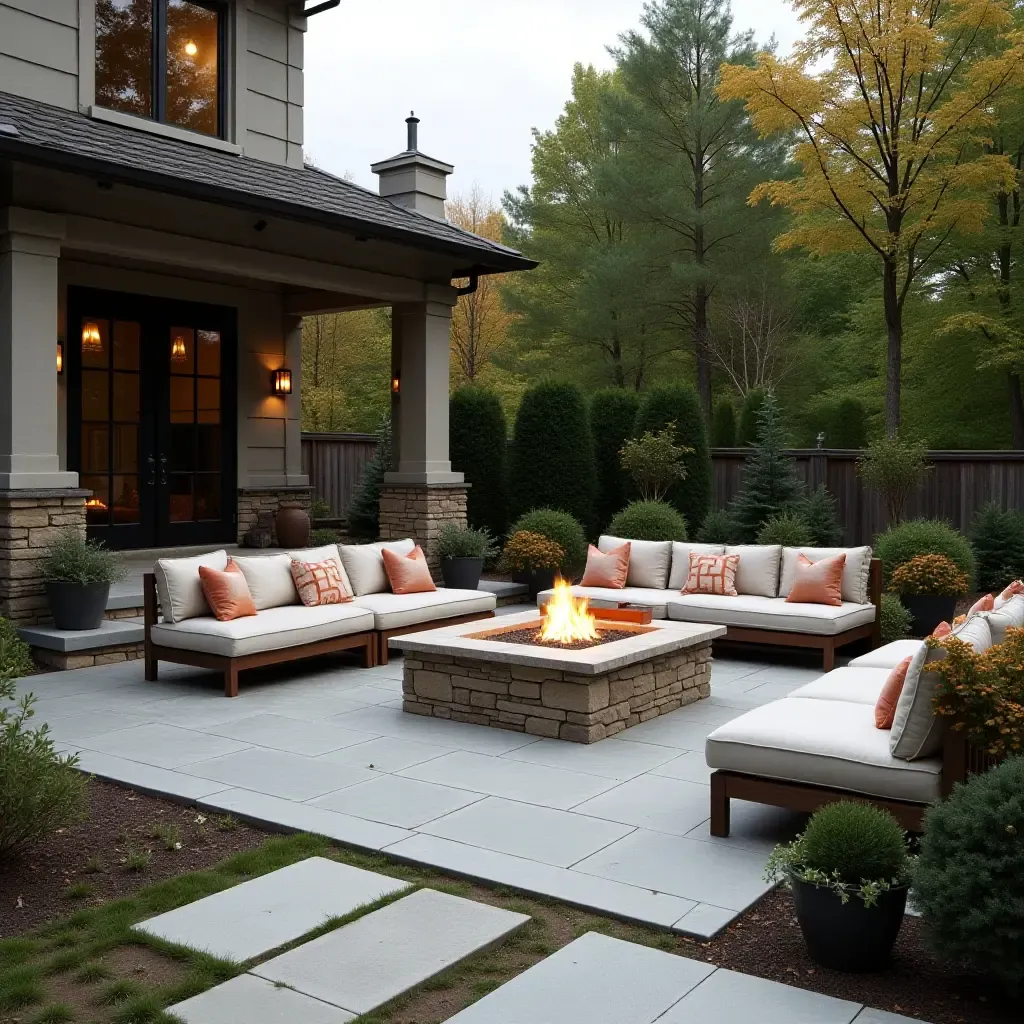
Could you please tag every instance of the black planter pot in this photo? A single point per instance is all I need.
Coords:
(77, 605)
(538, 580)
(461, 573)
(848, 936)
(928, 610)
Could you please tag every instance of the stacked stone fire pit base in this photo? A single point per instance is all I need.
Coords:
(583, 696)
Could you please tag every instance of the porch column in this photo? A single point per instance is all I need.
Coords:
(36, 497)
(421, 493)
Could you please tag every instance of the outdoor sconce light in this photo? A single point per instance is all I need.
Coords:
(92, 341)
(178, 351)
(60, 358)
(282, 382)
(396, 385)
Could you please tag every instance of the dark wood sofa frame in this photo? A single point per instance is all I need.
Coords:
(384, 635)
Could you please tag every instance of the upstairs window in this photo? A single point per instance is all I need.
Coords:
(163, 59)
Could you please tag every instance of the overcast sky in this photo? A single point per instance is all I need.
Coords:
(479, 75)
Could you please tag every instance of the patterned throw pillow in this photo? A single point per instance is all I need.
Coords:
(712, 574)
(227, 592)
(319, 583)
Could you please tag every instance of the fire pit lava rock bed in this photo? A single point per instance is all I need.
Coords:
(565, 676)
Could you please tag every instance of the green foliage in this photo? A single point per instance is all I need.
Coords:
(322, 536)
(559, 527)
(655, 462)
(746, 431)
(720, 527)
(929, 574)
(320, 508)
(997, 535)
(899, 544)
(788, 529)
(363, 513)
(479, 437)
(661, 407)
(896, 619)
(15, 655)
(456, 541)
(969, 878)
(770, 485)
(848, 425)
(525, 551)
(723, 424)
(894, 467)
(819, 511)
(612, 414)
(648, 520)
(552, 461)
(73, 559)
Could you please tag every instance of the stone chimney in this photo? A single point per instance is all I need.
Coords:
(414, 180)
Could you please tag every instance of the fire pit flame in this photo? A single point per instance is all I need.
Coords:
(567, 619)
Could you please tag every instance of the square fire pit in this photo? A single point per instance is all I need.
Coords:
(501, 675)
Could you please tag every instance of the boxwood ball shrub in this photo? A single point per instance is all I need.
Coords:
(969, 879)
(552, 457)
(896, 619)
(681, 406)
(612, 414)
(479, 438)
(787, 529)
(649, 520)
(858, 841)
(560, 527)
(900, 543)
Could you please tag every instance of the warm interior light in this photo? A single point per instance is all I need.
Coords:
(190, 48)
(96, 505)
(92, 341)
(60, 357)
(396, 385)
(567, 619)
(282, 382)
(178, 353)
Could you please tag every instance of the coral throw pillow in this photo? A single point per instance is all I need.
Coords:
(408, 574)
(941, 630)
(885, 708)
(607, 568)
(319, 583)
(712, 574)
(819, 582)
(226, 592)
(1015, 588)
(983, 604)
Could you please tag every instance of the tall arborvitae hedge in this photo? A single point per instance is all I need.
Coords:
(723, 424)
(479, 438)
(746, 432)
(612, 415)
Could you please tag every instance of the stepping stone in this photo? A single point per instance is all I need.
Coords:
(596, 979)
(266, 912)
(383, 954)
(246, 999)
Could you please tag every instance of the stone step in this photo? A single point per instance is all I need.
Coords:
(116, 640)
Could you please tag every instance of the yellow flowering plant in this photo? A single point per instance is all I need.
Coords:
(929, 574)
(529, 552)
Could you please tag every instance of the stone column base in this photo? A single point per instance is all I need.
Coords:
(29, 521)
(419, 511)
(257, 506)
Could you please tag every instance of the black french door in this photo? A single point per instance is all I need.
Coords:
(151, 395)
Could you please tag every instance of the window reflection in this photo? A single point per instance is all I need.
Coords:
(193, 61)
(124, 55)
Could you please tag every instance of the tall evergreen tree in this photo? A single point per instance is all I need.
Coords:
(479, 438)
(363, 512)
(612, 413)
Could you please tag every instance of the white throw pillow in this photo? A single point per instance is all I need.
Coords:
(270, 580)
(364, 565)
(758, 572)
(649, 560)
(1009, 616)
(179, 586)
(916, 731)
(681, 561)
(324, 554)
(856, 573)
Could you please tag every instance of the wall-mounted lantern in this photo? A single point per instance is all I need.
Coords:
(60, 358)
(281, 381)
(396, 385)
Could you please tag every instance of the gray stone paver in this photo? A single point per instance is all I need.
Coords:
(251, 919)
(248, 1000)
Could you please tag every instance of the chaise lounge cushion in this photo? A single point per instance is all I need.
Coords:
(269, 630)
(752, 612)
(823, 743)
(605, 597)
(853, 685)
(393, 611)
(889, 655)
(856, 571)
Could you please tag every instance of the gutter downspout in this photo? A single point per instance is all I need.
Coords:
(327, 5)
(474, 283)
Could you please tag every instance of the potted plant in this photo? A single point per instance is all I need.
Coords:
(929, 587)
(463, 552)
(849, 871)
(78, 574)
(292, 525)
(532, 559)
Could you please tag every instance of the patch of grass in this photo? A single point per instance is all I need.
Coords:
(65, 960)
(463, 889)
(94, 865)
(147, 1009)
(117, 992)
(16, 951)
(439, 983)
(20, 987)
(136, 859)
(225, 823)
(168, 835)
(93, 972)
(123, 837)
(58, 1013)
(65, 938)
(79, 891)
(484, 986)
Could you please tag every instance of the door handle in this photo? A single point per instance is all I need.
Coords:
(151, 462)
(163, 470)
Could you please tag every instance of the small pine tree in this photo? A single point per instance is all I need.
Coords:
(997, 535)
(612, 414)
(746, 432)
(723, 424)
(363, 513)
(770, 485)
(819, 511)
(479, 437)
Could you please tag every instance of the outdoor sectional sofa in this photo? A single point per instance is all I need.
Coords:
(283, 629)
(760, 613)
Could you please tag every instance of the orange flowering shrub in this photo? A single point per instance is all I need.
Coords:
(527, 552)
(929, 574)
(984, 692)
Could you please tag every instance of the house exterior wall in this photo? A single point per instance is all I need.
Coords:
(39, 50)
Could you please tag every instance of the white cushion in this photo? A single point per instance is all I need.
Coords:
(271, 630)
(853, 685)
(364, 565)
(758, 571)
(889, 655)
(1010, 615)
(179, 587)
(393, 611)
(605, 597)
(916, 731)
(649, 560)
(856, 572)
(270, 580)
(769, 613)
(324, 554)
(681, 561)
(829, 743)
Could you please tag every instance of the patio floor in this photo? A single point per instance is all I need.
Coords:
(619, 827)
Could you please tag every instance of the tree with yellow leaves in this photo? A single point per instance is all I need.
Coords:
(890, 103)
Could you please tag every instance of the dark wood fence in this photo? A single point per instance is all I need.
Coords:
(334, 464)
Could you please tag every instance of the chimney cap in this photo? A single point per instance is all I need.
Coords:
(412, 143)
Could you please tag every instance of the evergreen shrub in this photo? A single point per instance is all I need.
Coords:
(997, 535)
(787, 529)
(746, 429)
(612, 414)
(899, 544)
(719, 527)
(479, 438)
(723, 424)
(648, 520)
(559, 527)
